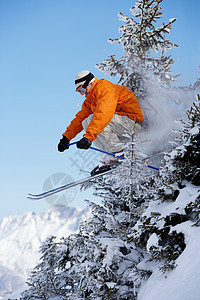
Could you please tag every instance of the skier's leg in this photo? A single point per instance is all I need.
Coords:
(123, 126)
(106, 139)
(114, 134)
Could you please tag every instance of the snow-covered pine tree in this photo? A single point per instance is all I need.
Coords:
(186, 160)
(141, 40)
(128, 190)
(125, 196)
(43, 280)
(159, 230)
(102, 260)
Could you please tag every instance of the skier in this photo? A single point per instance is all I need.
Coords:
(107, 114)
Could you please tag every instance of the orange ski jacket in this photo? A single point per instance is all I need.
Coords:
(103, 101)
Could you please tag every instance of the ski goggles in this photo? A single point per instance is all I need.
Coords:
(81, 90)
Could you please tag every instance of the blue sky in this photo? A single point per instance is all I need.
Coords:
(43, 45)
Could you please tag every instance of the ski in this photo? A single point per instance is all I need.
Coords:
(66, 186)
(75, 183)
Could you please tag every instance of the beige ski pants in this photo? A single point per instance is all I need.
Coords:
(116, 133)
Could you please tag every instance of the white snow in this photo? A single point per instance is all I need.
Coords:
(183, 282)
(162, 109)
(194, 130)
(187, 195)
(172, 20)
(110, 285)
(152, 241)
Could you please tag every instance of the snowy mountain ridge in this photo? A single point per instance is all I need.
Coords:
(21, 237)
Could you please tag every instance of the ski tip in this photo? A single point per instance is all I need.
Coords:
(36, 195)
(33, 197)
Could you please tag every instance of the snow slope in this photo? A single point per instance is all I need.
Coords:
(182, 283)
(21, 237)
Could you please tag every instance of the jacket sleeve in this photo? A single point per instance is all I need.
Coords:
(76, 124)
(106, 99)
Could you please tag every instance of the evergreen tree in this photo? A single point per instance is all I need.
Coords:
(184, 162)
(156, 229)
(141, 40)
(43, 281)
(101, 261)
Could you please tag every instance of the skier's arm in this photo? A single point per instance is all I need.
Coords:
(106, 106)
(76, 124)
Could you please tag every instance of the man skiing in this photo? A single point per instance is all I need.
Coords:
(107, 114)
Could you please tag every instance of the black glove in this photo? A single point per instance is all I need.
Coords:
(83, 144)
(63, 144)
